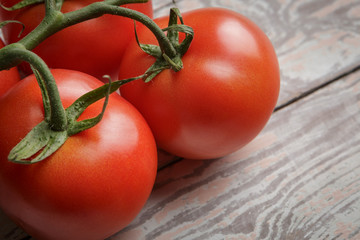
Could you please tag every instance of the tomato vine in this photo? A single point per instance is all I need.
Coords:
(56, 123)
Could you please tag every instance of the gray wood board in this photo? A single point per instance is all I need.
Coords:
(315, 40)
(299, 179)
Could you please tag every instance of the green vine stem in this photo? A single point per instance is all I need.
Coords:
(55, 21)
(42, 141)
(60, 123)
(55, 112)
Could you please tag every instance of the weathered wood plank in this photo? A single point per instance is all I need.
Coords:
(315, 40)
(300, 179)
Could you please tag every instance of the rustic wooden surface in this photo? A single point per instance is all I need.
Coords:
(300, 178)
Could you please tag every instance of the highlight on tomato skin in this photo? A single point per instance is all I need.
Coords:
(221, 99)
(95, 46)
(95, 184)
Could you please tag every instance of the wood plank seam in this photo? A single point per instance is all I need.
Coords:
(317, 88)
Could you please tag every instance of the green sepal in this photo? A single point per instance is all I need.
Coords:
(185, 44)
(79, 106)
(172, 34)
(154, 70)
(42, 140)
(175, 63)
(150, 49)
(74, 111)
(163, 61)
(174, 15)
(2, 24)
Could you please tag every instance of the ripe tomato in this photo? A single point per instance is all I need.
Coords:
(94, 47)
(4, 14)
(91, 187)
(223, 96)
(8, 78)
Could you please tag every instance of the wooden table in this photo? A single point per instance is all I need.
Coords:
(300, 178)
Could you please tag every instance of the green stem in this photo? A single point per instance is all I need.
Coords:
(122, 2)
(50, 5)
(51, 24)
(57, 117)
(102, 8)
(55, 21)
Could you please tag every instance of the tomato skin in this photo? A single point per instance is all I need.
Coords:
(94, 47)
(8, 78)
(223, 96)
(4, 14)
(95, 184)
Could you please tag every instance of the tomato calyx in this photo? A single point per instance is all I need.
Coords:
(42, 140)
(58, 123)
(163, 60)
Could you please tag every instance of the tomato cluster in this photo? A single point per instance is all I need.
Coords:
(95, 184)
(94, 47)
(98, 181)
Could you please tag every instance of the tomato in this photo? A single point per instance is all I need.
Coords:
(94, 47)
(4, 14)
(92, 186)
(8, 78)
(223, 96)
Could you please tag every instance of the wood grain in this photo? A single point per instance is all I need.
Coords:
(315, 40)
(300, 179)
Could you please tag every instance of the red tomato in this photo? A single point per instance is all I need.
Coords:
(95, 184)
(223, 96)
(8, 78)
(4, 14)
(94, 47)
